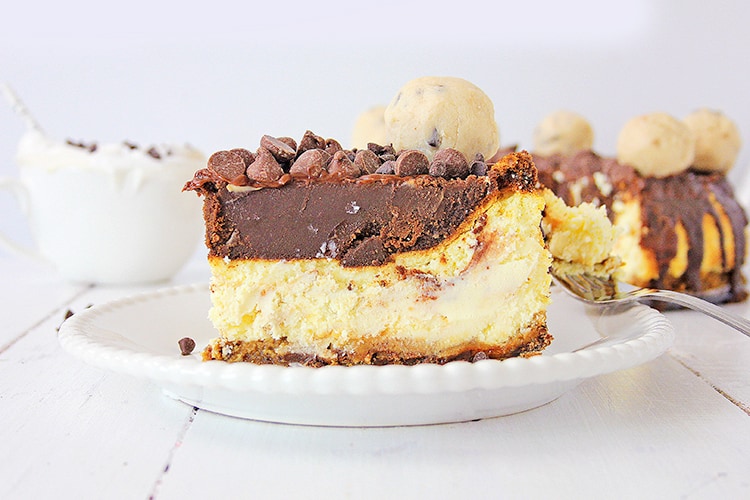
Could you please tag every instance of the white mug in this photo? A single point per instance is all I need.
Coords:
(113, 216)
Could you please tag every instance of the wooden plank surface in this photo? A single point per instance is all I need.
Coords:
(677, 427)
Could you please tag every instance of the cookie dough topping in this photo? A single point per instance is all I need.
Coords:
(656, 145)
(563, 132)
(433, 113)
(717, 140)
(369, 127)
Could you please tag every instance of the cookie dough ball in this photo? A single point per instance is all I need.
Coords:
(433, 113)
(656, 145)
(717, 140)
(369, 127)
(563, 132)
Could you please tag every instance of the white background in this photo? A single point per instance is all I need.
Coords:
(221, 74)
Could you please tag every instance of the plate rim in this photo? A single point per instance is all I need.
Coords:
(78, 336)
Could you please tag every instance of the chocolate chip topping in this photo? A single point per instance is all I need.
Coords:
(227, 165)
(186, 345)
(342, 166)
(280, 150)
(387, 168)
(333, 146)
(311, 163)
(277, 161)
(381, 150)
(478, 166)
(319, 158)
(265, 167)
(385, 153)
(289, 142)
(310, 141)
(449, 163)
(247, 156)
(412, 162)
(367, 161)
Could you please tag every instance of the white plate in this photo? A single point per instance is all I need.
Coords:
(138, 335)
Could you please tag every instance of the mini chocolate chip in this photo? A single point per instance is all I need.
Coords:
(449, 163)
(412, 162)
(367, 161)
(333, 146)
(265, 167)
(130, 145)
(434, 139)
(479, 356)
(381, 150)
(478, 167)
(387, 168)
(310, 141)
(311, 163)
(227, 165)
(80, 144)
(154, 153)
(186, 345)
(279, 149)
(247, 156)
(341, 165)
(67, 315)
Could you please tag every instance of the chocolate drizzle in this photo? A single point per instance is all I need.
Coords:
(574, 178)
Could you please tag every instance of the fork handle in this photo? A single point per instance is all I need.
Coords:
(737, 322)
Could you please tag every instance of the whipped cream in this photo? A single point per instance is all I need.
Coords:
(126, 165)
(38, 150)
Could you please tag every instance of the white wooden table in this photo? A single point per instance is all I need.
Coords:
(677, 427)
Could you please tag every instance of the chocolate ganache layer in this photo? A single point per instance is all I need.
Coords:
(358, 207)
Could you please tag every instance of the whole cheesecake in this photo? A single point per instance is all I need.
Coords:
(679, 225)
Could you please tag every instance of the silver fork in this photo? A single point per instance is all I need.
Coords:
(597, 290)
